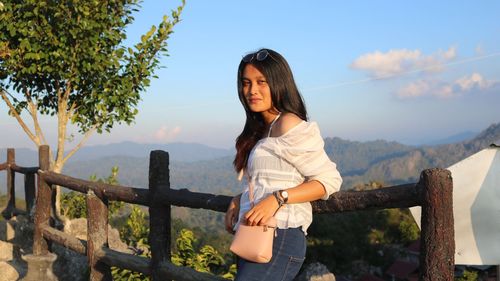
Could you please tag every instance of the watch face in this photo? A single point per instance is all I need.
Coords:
(284, 194)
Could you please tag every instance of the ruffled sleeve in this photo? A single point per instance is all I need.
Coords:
(303, 147)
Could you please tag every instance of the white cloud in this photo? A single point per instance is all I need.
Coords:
(395, 62)
(474, 81)
(426, 88)
(441, 89)
(163, 134)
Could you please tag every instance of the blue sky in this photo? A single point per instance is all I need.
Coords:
(411, 72)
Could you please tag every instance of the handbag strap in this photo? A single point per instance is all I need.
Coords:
(250, 190)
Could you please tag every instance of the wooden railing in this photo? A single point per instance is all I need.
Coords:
(29, 185)
(433, 192)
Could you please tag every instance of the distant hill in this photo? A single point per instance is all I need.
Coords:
(131, 158)
(216, 175)
(406, 163)
(202, 168)
(184, 152)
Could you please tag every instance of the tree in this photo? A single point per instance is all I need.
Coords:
(67, 59)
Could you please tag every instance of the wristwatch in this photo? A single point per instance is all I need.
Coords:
(278, 199)
(284, 195)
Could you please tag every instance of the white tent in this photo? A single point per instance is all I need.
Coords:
(476, 208)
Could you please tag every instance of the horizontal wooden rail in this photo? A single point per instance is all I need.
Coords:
(198, 200)
(24, 170)
(181, 273)
(124, 260)
(401, 196)
(142, 265)
(111, 192)
(65, 239)
(29, 185)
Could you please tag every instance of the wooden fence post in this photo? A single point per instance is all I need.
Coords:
(97, 236)
(10, 210)
(159, 213)
(437, 253)
(29, 193)
(43, 203)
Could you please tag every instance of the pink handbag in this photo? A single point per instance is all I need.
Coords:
(254, 243)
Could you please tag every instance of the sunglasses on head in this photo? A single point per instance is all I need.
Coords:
(259, 56)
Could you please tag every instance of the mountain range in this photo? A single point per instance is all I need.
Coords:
(202, 168)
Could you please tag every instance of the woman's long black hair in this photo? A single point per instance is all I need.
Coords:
(285, 98)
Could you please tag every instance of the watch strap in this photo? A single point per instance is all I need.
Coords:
(278, 198)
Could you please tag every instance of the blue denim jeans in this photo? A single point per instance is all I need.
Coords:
(289, 251)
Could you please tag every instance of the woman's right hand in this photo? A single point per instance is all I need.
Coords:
(232, 213)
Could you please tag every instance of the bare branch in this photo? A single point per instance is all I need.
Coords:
(21, 122)
(82, 142)
(33, 110)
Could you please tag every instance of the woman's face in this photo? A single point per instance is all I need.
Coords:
(256, 91)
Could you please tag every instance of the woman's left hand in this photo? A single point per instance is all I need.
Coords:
(262, 211)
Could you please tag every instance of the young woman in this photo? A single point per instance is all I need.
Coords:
(282, 155)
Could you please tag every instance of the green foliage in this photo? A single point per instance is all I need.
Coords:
(135, 233)
(340, 240)
(136, 229)
(114, 206)
(206, 259)
(74, 205)
(188, 251)
(127, 275)
(409, 230)
(468, 276)
(71, 55)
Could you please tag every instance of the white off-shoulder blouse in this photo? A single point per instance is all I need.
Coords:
(283, 162)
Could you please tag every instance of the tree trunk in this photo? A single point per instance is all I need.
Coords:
(56, 202)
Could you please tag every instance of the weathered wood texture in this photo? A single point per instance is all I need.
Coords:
(29, 192)
(97, 236)
(195, 200)
(124, 260)
(159, 214)
(65, 239)
(43, 205)
(29, 185)
(102, 190)
(402, 196)
(437, 253)
(10, 209)
(142, 265)
(24, 170)
(180, 273)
